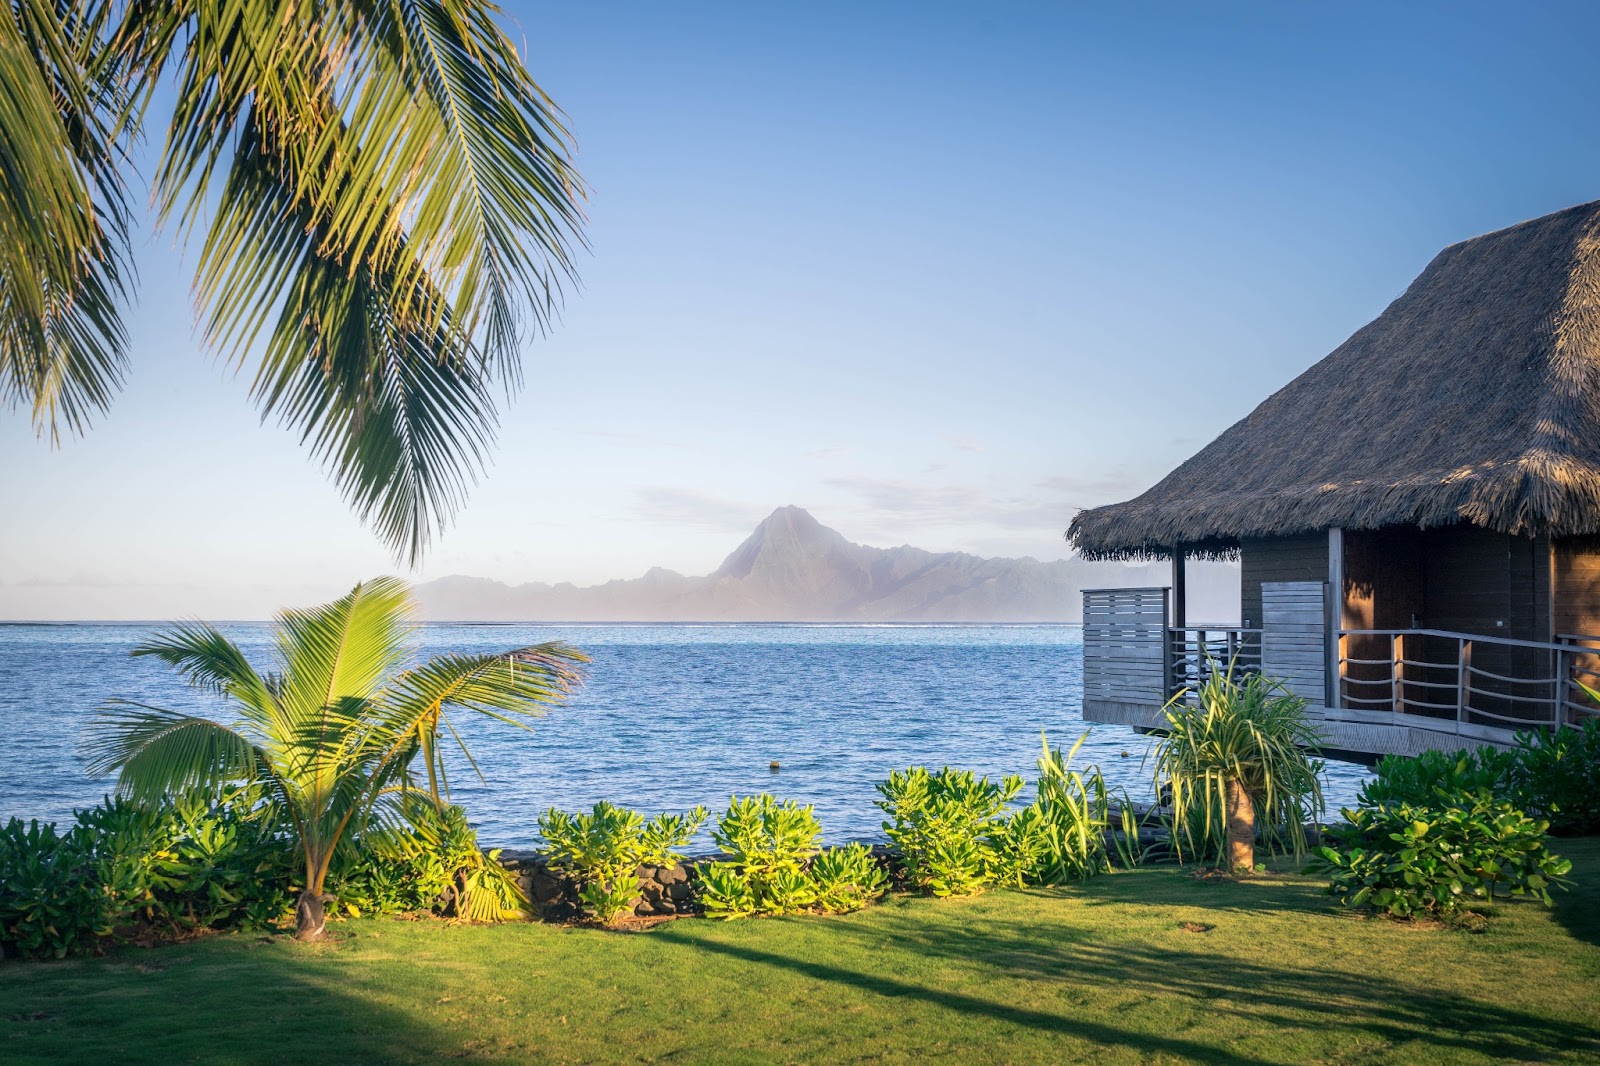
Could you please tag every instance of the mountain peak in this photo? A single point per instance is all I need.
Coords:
(792, 567)
(784, 536)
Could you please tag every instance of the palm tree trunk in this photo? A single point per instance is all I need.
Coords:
(310, 919)
(1241, 817)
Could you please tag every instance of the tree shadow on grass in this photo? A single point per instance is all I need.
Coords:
(235, 999)
(1264, 995)
(1578, 908)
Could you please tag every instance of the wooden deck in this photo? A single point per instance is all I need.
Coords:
(1375, 692)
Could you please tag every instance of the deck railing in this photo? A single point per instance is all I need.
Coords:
(1470, 679)
(1438, 679)
(1194, 653)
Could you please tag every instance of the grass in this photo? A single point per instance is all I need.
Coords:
(1102, 973)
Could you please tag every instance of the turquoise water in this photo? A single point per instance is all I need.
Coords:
(671, 716)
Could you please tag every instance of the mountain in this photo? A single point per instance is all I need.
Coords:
(793, 568)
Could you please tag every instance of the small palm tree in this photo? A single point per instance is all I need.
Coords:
(1239, 756)
(336, 733)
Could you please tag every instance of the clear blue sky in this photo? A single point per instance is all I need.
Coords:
(939, 273)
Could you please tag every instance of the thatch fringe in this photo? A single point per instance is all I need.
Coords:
(1475, 397)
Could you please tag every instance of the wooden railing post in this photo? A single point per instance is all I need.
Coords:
(1339, 669)
(1463, 679)
(1558, 706)
(1397, 691)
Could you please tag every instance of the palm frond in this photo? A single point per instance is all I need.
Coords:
(508, 687)
(63, 219)
(396, 199)
(343, 649)
(210, 661)
(156, 751)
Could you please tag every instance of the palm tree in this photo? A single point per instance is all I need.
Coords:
(387, 203)
(1239, 756)
(335, 733)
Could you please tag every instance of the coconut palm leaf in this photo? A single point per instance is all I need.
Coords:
(159, 751)
(387, 203)
(63, 219)
(208, 660)
(391, 202)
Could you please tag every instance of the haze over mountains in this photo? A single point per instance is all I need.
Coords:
(794, 569)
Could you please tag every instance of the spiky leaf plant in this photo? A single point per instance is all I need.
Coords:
(339, 733)
(1238, 759)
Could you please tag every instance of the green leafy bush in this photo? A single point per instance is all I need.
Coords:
(605, 848)
(51, 901)
(1556, 776)
(1436, 860)
(956, 831)
(769, 845)
(847, 879)
(725, 890)
(774, 865)
(427, 860)
(192, 862)
(1418, 779)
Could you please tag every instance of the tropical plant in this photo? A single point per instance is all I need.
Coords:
(1555, 775)
(192, 861)
(847, 878)
(1415, 779)
(951, 827)
(726, 891)
(51, 902)
(605, 848)
(769, 845)
(1436, 859)
(1237, 763)
(386, 198)
(425, 861)
(1078, 830)
(337, 734)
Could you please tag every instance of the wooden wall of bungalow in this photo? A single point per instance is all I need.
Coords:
(1461, 578)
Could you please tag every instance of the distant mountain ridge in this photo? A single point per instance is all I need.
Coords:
(795, 569)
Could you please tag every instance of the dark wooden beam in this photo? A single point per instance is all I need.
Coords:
(1180, 590)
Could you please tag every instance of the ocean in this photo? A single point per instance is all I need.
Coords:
(671, 715)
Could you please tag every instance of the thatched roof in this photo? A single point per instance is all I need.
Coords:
(1474, 397)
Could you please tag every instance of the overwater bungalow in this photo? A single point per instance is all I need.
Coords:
(1417, 517)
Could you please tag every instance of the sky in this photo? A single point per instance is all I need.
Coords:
(940, 273)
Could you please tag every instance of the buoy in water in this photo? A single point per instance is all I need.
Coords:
(773, 766)
(1127, 755)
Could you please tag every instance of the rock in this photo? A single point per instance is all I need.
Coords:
(676, 875)
(680, 891)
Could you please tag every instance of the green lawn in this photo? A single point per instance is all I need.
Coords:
(1102, 973)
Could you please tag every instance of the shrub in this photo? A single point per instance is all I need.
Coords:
(193, 861)
(954, 832)
(427, 860)
(1409, 860)
(1556, 776)
(185, 864)
(1418, 779)
(769, 845)
(1238, 770)
(51, 901)
(605, 848)
(847, 879)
